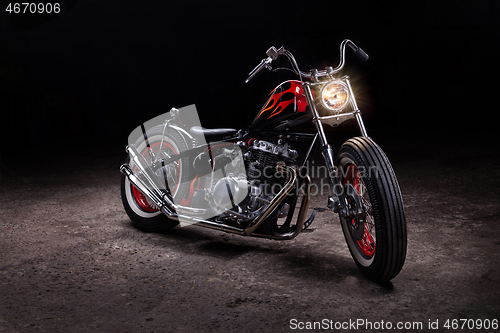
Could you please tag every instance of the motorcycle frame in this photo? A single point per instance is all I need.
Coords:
(336, 202)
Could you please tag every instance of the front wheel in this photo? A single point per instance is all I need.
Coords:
(381, 251)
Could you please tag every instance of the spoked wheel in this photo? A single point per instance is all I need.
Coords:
(143, 213)
(367, 244)
(380, 251)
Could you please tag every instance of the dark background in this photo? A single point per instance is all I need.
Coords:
(85, 78)
(73, 86)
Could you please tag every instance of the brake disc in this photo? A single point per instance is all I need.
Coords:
(355, 212)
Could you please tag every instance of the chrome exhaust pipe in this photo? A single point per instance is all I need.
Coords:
(249, 230)
(300, 219)
(151, 194)
(292, 179)
(148, 184)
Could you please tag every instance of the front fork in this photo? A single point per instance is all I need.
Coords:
(341, 201)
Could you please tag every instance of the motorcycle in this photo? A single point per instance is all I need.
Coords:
(249, 182)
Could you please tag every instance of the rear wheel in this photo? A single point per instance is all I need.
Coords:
(143, 213)
(381, 252)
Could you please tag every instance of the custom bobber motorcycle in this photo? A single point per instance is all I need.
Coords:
(252, 182)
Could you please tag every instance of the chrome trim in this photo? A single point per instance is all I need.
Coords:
(329, 157)
(149, 187)
(332, 120)
(356, 111)
(165, 123)
(349, 95)
(189, 210)
(287, 188)
(249, 231)
(263, 64)
(183, 134)
(313, 74)
(310, 100)
(144, 168)
(300, 219)
(336, 119)
(151, 194)
(327, 72)
(215, 225)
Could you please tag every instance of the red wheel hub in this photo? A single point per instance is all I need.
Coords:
(141, 201)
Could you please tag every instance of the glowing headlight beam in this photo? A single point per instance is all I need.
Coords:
(335, 96)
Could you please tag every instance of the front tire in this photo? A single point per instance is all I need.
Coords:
(143, 214)
(381, 253)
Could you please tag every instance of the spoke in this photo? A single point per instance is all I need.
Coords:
(371, 223)
(367, 244)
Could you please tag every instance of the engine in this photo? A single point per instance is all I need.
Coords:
(262, 158)
(238, 197)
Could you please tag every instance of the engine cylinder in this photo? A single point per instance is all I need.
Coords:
(263, 167)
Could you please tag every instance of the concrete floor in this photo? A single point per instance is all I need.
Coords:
(70, 261)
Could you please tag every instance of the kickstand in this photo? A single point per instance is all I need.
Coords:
(308, 222)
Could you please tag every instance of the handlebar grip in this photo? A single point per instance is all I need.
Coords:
(257, 69)
(361, 54)
(272, 54)
(358, 51)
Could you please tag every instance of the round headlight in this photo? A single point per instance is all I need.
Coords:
(335, 96)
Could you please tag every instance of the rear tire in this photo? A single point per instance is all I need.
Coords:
(381, 253)
(145, 216)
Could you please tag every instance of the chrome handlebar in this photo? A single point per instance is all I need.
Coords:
(314, 74)
(272, 54)
(264, 63)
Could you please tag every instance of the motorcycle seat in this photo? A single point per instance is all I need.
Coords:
(213, 134)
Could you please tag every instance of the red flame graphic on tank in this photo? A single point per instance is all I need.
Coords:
(275, 104)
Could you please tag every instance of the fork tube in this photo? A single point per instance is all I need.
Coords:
(354, 106)
(326, 149)
(317, 123)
